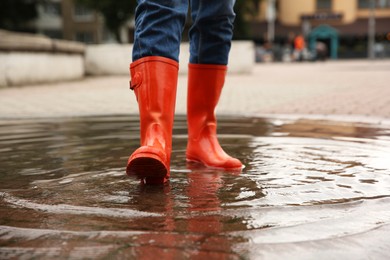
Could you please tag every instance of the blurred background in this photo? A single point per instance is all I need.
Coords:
(306, 106)
(63, 40)
(282, 30)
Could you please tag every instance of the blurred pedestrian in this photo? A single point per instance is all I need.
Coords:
(154, 70)
(299, 47)
(321, 51)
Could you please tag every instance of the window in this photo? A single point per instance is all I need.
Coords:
(52, 9)
(365, 4)
(85, 37)
(383, 3)
(83, 13)
(324, 4)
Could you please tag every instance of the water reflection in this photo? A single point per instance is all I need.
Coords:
(308, 185)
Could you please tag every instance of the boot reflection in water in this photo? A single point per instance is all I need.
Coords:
(159, 25)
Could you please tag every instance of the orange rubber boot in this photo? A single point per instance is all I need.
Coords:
(205, 83)
(154, 81)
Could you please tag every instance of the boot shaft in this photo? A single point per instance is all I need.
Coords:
(154, 81)
(205, 83)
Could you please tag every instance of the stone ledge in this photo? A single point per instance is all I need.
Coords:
(114, 59)
(30, 59)
(26, 68)
(11, 41)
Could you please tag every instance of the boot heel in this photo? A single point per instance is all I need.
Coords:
(147, 166)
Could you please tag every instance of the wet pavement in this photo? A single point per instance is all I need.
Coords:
(311, 189)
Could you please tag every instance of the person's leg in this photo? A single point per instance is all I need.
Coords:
(211, 32)
(210, 37)
(158, 28)
(159, 24)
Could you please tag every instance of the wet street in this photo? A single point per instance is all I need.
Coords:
(311, 189)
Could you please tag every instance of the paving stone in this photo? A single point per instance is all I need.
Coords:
(358, 88)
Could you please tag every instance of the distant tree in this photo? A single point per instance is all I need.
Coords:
(14, 14)
(116, 12)
(245, 10)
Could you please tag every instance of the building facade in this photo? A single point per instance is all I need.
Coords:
(343, 25)
(81, 24)
(65, 19)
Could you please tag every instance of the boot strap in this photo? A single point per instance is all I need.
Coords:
(136, 81)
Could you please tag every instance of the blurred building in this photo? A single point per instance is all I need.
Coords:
(49, 21)
(81, 24)
(342, 25)
(64, 19)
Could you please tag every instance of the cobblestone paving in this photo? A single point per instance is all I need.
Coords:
(341, 88)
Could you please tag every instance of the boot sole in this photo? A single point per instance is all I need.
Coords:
(148, 168)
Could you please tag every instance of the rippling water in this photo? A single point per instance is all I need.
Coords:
(309, 188)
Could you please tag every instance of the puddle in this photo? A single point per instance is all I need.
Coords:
(308, 187)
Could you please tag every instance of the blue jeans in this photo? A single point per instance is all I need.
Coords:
(159, 25)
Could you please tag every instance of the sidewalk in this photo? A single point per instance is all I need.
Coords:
(334, 88)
